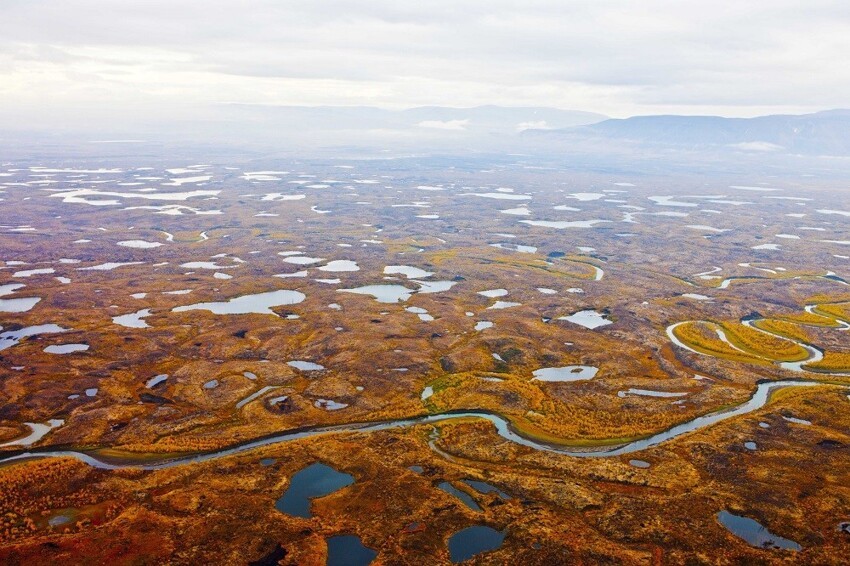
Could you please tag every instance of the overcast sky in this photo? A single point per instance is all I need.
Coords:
(617, 57)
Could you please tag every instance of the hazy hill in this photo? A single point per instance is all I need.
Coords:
(822, 133)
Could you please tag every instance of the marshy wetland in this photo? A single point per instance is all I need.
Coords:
(314, 361)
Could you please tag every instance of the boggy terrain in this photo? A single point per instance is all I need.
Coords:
(164, 325)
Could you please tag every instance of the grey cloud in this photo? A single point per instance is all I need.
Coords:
(656, 53)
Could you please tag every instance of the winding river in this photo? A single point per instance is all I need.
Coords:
(502, 425)
(815, 354)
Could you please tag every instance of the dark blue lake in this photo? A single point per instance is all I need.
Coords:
(347, 550)
(316, 480)
(470, 541)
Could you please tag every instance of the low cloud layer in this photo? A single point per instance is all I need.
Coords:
(184, 57)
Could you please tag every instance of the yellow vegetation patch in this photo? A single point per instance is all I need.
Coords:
(441, 256)
(702, 337)
(809, 318)
(837, 310)
(764, 345)
(832, 362)
(822, 298)
(783, 327)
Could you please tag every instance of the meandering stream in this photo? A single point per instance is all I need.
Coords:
(503, 427)
(815, 354)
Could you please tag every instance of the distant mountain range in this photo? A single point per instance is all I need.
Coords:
(494, 129)
(822, 133)
(475, 120)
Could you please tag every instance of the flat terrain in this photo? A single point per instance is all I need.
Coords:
(156, 314)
